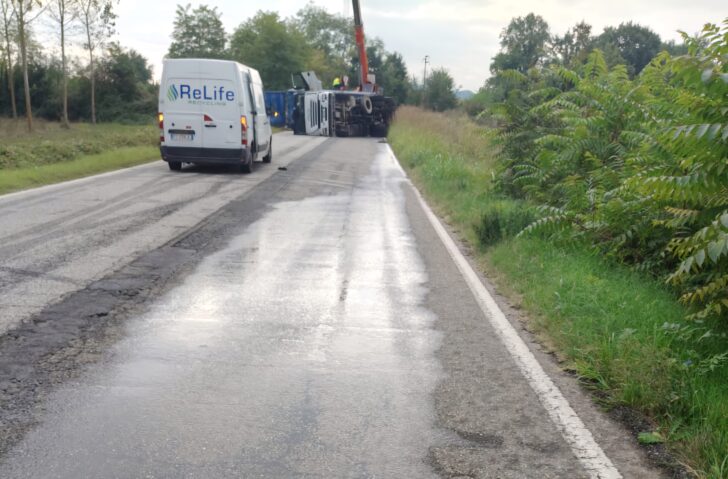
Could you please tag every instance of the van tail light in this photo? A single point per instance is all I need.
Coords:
(244, 129)
(160, 118)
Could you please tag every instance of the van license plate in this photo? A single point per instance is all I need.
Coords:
(182, 136)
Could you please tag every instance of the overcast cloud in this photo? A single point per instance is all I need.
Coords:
(459, 35)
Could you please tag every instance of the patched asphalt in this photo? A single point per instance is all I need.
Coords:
(313, 326)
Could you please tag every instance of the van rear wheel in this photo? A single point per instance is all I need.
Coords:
(267, 158)
(174, 165)
(247, 167)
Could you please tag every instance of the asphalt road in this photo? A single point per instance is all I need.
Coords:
(299, 323)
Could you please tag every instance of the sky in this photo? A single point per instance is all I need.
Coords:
(458, 35)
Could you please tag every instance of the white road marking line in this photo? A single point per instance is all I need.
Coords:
(576, 434)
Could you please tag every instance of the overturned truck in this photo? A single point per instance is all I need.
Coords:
(364, 112)
(319, 112)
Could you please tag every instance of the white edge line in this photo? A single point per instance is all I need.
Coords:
(576, 434)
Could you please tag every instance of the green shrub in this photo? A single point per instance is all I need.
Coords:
(634, 167)
(503, 219)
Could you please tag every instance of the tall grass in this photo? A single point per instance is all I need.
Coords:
(50, 143)
(622, 332)
(29, 177)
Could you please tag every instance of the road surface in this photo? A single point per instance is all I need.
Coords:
(304, 322)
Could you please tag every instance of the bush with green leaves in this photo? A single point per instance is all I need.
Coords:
(637, 167)
(691, 180)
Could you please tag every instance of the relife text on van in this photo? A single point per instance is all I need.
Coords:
(216, 93)
(213, 111)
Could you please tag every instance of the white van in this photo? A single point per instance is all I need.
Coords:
(212, 111)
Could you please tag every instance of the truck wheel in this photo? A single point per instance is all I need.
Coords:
(367, 105)
(175, 165)
(269, 156)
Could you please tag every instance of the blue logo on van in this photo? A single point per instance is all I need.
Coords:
(172, 93)
(204, 94)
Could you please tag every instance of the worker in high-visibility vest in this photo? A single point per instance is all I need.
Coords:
(337, 83)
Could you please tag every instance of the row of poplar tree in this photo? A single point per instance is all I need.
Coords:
(112, 83)
(313, 39)
(93, 19)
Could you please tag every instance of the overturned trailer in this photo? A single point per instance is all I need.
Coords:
(364, 112)
(319, 112)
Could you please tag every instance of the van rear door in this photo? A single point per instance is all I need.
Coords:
(182, 122)
(220, 114)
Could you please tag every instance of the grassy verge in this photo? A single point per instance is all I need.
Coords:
(52, 153)
(28, 177)
(623, 333)
(50, 143)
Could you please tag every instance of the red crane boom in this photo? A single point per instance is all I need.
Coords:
(360, 44)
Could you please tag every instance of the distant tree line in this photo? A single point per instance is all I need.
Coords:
(113, 83)
(61, 87)
(527, 43)
(313, 39)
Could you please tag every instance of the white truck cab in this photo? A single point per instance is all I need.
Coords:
(212, 111)
(318, 110)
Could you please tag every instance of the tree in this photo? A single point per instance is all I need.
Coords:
(375, 56)
(414, 91)
(636, 44)
(574, 47)
(275, 49)
(8, 33)
(331, 34)
(97, 18)
(25, 12)
(523, 44)
(125, 91)
(63, 12)
(393, 77)
(675, 49)
(439, 94)
(198, 33)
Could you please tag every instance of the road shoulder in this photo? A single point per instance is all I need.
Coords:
(476, 407)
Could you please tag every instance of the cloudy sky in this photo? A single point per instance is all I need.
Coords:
(459, 35)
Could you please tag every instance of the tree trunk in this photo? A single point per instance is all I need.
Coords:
(11, 70)
(65, 69)
(93, 91)
(24, 60)
(11, 86)
(93, 74)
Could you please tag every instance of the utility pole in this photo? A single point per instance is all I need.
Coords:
(424, 79)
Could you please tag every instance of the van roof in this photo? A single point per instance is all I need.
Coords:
(207, 63)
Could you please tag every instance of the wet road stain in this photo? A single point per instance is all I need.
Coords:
(297, 350)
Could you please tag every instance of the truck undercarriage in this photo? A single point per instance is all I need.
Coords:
(341, 113)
